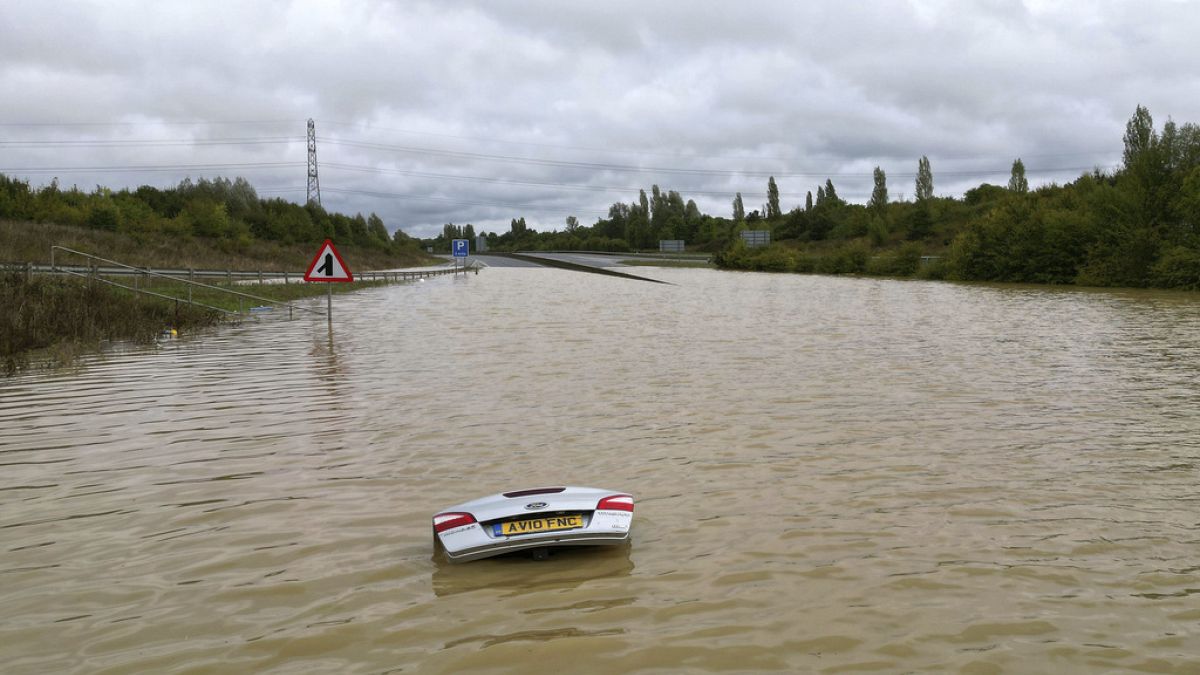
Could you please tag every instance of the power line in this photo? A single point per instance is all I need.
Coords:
(579, 186)
(150, 142)
(151, 167)
(509, 181)
(600, 166)
(110, 123)
(406, 197)
(630, 151)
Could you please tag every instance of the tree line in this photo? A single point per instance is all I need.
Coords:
(1137, 225)
(228, 211)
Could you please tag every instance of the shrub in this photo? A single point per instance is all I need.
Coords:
(850, 259)
(1179, 267)
(104, 215)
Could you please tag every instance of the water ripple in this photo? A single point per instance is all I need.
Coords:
(832, 474)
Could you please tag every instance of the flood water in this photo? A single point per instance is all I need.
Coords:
(831, 475)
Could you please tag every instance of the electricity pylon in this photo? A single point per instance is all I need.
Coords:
(314, 185)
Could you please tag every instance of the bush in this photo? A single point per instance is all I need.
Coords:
(774, 259)
(850, 259)
(902, 262)
(1179, 267)
(104, 215)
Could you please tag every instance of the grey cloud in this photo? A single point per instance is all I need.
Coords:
(832, 89)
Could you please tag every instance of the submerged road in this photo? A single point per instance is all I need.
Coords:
(579, 262)
(499, 261)
(591, 260)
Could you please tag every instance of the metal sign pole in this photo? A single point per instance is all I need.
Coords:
(329, 297)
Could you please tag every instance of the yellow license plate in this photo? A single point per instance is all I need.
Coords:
(538, 525)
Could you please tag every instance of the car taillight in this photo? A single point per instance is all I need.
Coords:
(616, 503)
(446, 521)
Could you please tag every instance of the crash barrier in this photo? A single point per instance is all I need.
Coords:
(112, 268)
(230, 276)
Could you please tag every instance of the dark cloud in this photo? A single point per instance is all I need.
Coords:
(545, 109)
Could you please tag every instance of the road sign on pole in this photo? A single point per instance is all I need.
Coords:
(461, 248)
(328, 265)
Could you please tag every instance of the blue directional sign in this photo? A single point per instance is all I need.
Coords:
(460, 248)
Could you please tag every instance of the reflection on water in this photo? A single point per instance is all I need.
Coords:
(832, 474)
(564, 570)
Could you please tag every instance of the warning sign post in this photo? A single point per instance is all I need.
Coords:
(328, 266)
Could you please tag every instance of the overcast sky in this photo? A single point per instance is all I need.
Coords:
(479, 112)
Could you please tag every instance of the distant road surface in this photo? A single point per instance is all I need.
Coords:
(590, 259)
(499, 261)
(577, 258)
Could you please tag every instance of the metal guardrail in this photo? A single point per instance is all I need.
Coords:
(229, 275)
(95, 274)
(112, 268)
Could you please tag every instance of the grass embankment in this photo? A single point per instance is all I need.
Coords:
(22, 242)
(52, 319)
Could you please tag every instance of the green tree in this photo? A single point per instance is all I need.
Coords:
(692, 219)
(206, 218)
(808, 202)
(739, 210)
(618, 218)
(1016, 181)
(1139, 136)
(879, 195)
(377, 229)
(772, 199)
(831, 195)
(924, 179)
(877, 229)
(104, 215)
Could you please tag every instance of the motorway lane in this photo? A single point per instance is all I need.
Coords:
(591, 260)
(577, 258)
(500, 261)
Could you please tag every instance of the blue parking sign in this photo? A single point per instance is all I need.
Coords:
(460, 248)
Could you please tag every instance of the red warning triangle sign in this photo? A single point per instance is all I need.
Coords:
(328, 265)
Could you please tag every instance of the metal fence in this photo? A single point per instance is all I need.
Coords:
(103, 270)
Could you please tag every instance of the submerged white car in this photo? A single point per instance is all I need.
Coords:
(537, 519)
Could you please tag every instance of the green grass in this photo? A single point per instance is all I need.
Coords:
(52, 319)
(23, 241)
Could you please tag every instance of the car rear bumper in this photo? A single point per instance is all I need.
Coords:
(548, 540)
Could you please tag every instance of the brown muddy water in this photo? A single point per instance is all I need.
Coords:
(832, 475)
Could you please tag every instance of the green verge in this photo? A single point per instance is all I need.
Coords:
(49, 321)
